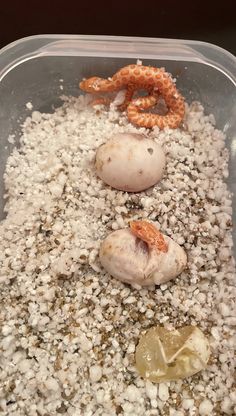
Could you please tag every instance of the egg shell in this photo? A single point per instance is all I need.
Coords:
(181, 353)
(130, 162)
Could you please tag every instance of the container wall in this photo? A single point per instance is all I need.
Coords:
(37, 80)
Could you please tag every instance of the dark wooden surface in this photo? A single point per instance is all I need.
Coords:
(211, 21)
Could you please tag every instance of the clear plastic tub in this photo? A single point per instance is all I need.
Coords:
(32, 69)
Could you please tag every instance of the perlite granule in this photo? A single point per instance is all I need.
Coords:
(69, 330)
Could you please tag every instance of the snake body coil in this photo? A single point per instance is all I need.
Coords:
(156, 81)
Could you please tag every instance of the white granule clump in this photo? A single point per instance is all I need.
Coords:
(163, 392)
(11, 138)
(224, 309)
(188, 404)
(6, 330)
(52, 384)
(24, 365)
(132, 393)
(69, 330)
(131, 348)
(151, 390)
(174, 412)
(226, 406)
(95, 373)
(119, 99)
(29, 106)
(205, 408)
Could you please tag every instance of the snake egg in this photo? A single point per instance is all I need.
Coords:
(131, 260)
(130, 162)
(164, 355)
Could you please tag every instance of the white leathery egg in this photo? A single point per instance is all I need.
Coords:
(130, 162)
(131, 260)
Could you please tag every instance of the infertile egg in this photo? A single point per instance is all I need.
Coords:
(130, 162)
(164, 355)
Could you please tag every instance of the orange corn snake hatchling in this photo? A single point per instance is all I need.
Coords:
(135, 77)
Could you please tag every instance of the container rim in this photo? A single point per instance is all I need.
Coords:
(31, 47)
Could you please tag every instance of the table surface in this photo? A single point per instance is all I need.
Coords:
(210, 21)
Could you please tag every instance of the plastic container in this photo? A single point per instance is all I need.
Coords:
(32, 69)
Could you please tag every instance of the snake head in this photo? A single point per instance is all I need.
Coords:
(147, 232)
(91, 84)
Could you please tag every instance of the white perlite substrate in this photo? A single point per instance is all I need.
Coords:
(69, 330)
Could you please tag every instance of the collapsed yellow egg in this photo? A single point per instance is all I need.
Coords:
(163, 355)
(130, 162)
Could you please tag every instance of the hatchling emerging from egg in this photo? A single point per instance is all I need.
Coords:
(142, 255)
